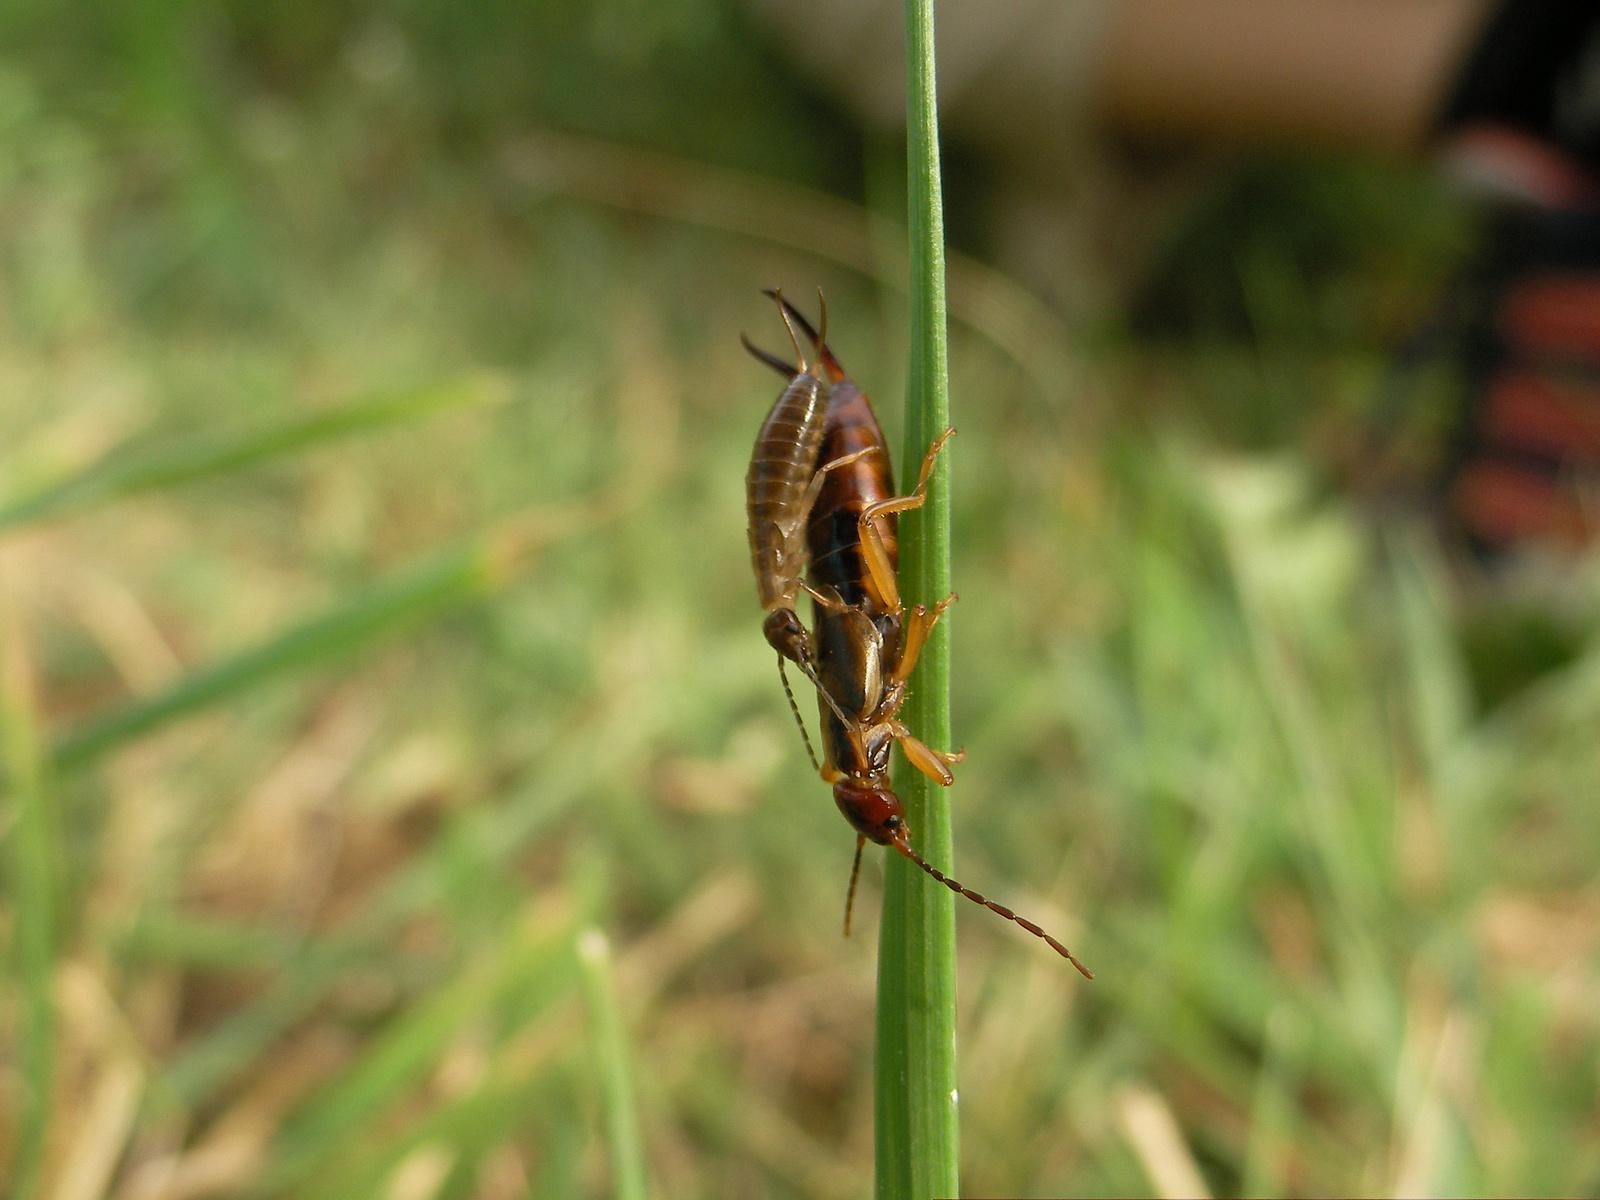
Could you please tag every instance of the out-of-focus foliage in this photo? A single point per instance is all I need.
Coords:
(1283, 291)
(454, 690)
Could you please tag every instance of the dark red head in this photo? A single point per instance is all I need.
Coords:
(873, 811)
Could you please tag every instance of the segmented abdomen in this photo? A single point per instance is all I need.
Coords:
(781, 467)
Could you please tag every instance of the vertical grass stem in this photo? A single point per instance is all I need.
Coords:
(916, 1128)
(31, 846)
(611, 1058)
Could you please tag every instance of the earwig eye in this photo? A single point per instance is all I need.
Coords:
(892, 823)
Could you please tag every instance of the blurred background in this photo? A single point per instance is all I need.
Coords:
(375, 609)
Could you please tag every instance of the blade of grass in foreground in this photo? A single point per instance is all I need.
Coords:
(916, 1130)
(32, 869)
(611, 1057)
(118, 475)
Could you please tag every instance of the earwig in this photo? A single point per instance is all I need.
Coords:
(781, 485)
(778, 493)
(864, 641)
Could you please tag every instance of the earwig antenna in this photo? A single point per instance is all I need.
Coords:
(828, 699)
(900, 845)
(795, 709)
(827, 696)
(801, 725)
(855, 872)
(794, 339)
(822, 320)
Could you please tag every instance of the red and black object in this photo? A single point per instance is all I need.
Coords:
(1524, 120)
(1526, 464)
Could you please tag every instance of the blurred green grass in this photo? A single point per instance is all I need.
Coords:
(1227, 732)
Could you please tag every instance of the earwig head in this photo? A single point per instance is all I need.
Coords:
(787, 635)
(875, 812)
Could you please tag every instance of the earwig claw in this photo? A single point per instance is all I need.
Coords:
(772, 360)
(819, 341)
(783, 311)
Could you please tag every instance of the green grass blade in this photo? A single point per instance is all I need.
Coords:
(120, 475)
(469, 1124)
(32, 862)
(916, 1127)
(211, 944)
(215, 1058)
(447, 581)
(611, 1059)
(320, 1134)
(198, 1072)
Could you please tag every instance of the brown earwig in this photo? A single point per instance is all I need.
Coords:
(865, 643)
(781, 486)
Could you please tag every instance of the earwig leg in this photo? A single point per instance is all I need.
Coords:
(897, 504)
(814, 488)
(855, 872)
(925, 759)
(877, 554)
(919, 622)
(844, 460)
(880, 571)
(899, 731)
(799, 724)
(829, 599)
(793, 537)
(931, 455)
